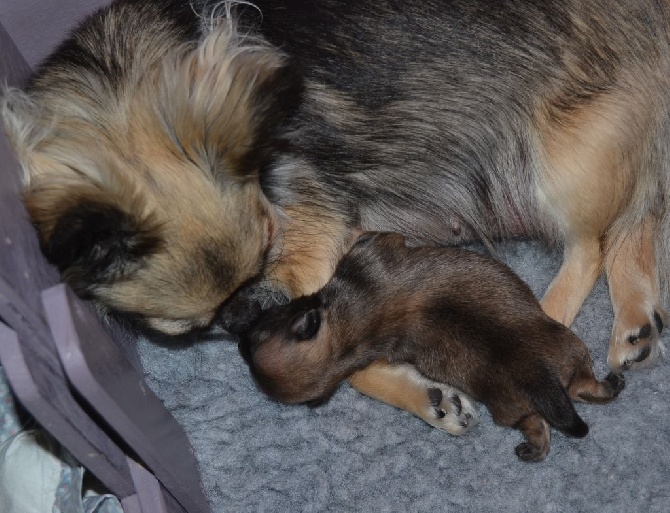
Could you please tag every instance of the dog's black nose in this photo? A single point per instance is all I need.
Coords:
(238, 314)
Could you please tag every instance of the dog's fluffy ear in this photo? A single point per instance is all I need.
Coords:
(95, 243)
(225, 101)
(92, 236)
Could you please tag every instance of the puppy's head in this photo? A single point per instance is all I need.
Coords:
(291, 352)
(300, 352)
(142, 150)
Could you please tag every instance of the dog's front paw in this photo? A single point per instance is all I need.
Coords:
(636, 339)
(450, 410)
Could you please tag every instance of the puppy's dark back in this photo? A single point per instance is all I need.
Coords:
(456, 315)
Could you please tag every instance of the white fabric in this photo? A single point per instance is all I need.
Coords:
(30, 473)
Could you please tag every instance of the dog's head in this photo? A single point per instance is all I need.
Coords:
(142, 148)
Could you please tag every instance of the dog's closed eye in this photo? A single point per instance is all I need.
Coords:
(306, 325)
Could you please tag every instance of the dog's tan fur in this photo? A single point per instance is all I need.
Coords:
(246, 151)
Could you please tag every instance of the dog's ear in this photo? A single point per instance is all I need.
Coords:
(306, 325)
(92, 241)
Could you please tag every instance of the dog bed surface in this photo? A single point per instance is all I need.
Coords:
(356, 454)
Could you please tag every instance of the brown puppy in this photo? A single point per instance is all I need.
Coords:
(457, 316)
(178, 151)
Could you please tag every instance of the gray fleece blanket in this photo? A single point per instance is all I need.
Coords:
(358, 455)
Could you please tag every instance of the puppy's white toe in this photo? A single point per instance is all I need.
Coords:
(451, 410)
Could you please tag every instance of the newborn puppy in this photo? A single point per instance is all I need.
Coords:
(459, 317)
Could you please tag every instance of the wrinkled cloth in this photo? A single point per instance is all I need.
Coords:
(37, 475)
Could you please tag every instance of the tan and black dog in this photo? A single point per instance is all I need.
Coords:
(457, 316)
(180, 153)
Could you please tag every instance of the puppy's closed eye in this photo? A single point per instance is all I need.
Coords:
(306, 325)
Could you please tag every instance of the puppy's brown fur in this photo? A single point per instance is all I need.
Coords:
(179, 153)
(458, 317)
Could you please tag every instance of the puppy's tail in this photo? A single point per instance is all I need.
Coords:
(553, 403)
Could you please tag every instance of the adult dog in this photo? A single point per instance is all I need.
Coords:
(175, 153)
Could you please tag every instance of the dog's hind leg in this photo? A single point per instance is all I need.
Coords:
(439, 405)
(579, 272)
(630, 263)
(588, 177)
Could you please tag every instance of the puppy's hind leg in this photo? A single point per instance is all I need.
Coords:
(538, 438)
(439, 405)
(586, 388)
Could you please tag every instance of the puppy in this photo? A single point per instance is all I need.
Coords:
(456, 316)
(186, 159)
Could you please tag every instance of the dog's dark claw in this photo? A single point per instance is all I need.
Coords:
(644, 354)
(435, 397)
(644, 332)
(659, 322)
(458, 404)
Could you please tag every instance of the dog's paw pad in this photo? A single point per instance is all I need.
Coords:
(645, 332)
(451, 410)
(636, 344)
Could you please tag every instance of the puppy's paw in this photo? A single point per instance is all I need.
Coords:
(530, 453)
(635, 341)
(450, 410)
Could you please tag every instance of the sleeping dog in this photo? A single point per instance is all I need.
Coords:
(186, 159)
(457, 316)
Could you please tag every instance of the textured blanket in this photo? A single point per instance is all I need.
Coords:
(355, 454)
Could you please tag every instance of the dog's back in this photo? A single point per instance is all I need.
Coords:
(460, 92)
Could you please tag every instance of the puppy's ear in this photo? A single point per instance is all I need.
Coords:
(322, 400)
(366, 237)
(305, 326)
(94, 242)
(391, 239)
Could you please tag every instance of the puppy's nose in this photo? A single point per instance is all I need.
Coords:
(246, 349)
